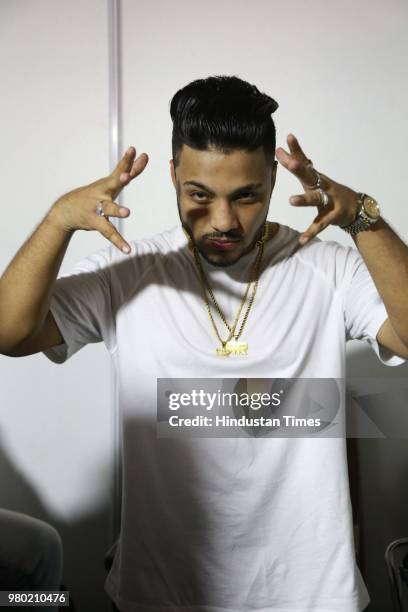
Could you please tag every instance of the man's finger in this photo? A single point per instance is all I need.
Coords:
(127, 168)
(297, 162)
(112, 209)
(300, 169)
(137, 167)
(109, 231)
(320, 222)
(309, 198)
(125, 163)
(112, 183)
(295, 148)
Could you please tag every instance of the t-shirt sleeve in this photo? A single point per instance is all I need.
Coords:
(364, 310)
(82, 308)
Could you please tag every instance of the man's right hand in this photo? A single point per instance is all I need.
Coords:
(77, 209)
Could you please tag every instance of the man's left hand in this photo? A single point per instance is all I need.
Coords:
(342, 206)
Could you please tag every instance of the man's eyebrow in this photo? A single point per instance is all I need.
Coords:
(243, 188)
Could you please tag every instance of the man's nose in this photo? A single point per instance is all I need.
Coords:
(223, 217)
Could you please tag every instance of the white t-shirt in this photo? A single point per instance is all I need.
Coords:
(226, 524)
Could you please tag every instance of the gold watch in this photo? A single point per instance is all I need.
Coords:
(368, 214)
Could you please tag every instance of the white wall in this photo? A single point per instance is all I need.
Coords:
(337, 71)
(56, 420)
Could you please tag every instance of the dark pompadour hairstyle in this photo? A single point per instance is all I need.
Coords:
(225, 113)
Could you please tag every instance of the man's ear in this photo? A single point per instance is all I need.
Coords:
(273, 174)
(172, 173)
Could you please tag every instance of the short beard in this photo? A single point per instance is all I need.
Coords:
(218, 264)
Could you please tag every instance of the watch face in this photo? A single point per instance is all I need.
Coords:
(371, 207)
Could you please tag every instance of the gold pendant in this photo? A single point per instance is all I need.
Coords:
(233, 347)
(237, 347)
(222, 352)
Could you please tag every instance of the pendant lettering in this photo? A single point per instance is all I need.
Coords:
(236, 347)
(233, 347)
(222, 352)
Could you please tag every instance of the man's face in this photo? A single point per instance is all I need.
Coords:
(223, 197)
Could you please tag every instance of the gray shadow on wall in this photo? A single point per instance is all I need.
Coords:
(83, 567)
(382, 478)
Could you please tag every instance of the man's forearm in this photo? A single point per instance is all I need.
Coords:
(386, 257)
(26, 284)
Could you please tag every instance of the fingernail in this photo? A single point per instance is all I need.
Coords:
(130, 150)
(303, 239)
(126, 248)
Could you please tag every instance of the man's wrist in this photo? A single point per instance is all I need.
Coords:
(356, 209)
(368, 213)
(54, 220)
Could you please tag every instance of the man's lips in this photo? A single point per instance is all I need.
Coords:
(222, 244)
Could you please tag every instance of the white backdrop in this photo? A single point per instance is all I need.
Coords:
(337, 71)
(55, 421)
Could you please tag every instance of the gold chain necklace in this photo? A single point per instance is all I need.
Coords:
(230, 346)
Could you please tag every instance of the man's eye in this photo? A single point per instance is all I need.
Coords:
(248, 194)
(243, 196)
(198, 193)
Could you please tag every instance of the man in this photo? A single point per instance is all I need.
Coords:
(238, 523)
